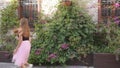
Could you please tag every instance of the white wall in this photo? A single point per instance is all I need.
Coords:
(4, 3)
(92, 8)
(48, 7)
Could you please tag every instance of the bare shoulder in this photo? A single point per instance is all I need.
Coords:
(20, 29)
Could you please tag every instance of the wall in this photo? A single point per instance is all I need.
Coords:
(92, 8)
(48, 7)
(4, 3)
(90, 5)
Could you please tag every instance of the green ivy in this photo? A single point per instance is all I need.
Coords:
(71, 27)
(8, 21)
(107, 39)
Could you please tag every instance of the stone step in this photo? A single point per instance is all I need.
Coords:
(11, 65)
(63, 67)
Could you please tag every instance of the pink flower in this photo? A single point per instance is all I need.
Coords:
(117, 21)
(116, 18)
(37, 52)
(117, 5)
(64, 46)
(51, 56)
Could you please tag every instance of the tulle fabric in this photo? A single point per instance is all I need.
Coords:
(21, 56)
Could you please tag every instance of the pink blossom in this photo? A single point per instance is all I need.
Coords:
(51, 56)
(64, 46)
(117, 22)
(37, 52)
(117, 5)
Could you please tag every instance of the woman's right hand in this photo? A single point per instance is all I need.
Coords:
(14, 52)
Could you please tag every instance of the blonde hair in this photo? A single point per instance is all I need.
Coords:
(25, 27)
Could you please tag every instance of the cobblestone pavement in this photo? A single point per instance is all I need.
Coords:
(10, 65)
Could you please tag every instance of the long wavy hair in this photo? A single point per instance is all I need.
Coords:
(25, 27)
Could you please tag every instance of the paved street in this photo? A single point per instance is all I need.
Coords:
(10, 65)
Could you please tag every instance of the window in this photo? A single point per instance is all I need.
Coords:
(109, 10)
(29, 9)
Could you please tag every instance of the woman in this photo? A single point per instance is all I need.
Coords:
(22, 51)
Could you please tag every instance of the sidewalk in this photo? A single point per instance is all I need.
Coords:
(10, 65)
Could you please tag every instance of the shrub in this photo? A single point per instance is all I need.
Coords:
(106, 39)
(8, 20)
(68, 35)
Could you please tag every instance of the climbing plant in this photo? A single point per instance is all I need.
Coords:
(8, 21)
(68, 35)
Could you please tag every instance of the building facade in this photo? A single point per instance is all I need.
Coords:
(100, 10)
(109, 11)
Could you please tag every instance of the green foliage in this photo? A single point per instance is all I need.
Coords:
(8, 20)
(69, 34)
(9, 44)
(107, 39)
(8, 17)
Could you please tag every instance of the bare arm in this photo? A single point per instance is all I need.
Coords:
(19, 41)
(30, 39)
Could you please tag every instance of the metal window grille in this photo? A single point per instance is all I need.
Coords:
(29, 10)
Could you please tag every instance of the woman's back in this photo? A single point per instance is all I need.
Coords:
(25, 28)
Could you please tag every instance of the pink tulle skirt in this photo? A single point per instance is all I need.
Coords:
(21, 56)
